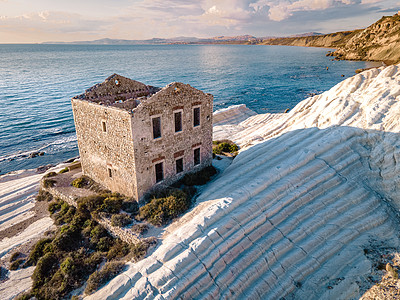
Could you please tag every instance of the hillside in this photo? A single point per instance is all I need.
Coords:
(300, 211)
(331, 40)
(378, 42)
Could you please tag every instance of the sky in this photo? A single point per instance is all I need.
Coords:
(36, 21)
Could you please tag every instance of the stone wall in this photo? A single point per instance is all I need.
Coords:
(125, 234)
(171, 145)
(106, 153)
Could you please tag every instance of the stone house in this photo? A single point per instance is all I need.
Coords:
(133, 137)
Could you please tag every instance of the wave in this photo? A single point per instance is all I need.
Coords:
(50, 148)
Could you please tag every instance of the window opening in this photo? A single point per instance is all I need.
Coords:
(196, 156)
(179, 165)
(156, 127)
(159, 172)
(178, 121)
(103, 126)
(109, 172)
(196, 116)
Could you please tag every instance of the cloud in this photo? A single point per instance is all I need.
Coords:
(49, 25)
(141, 19)
(283, 9)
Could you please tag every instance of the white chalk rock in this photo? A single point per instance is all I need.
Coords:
(291, 216)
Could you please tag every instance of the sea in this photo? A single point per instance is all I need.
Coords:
(38, 81)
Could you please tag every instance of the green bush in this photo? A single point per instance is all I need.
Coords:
(160, 211)
(48, 183)
(104, 244)
(25, 296)
(224, 146)
(43, 270)
(106, 202)
(139, 250)
(120, 220)
(118, 250)
(65, 170)
(44, 196)
(15, 256)
(78, 248)
(54, 207)
(50, 174)
(92, 203)
(140, 228)
(112, 204)
(97, 233)
(68, 238)
(88, 183)
(200, 177)
(99, 278)
(15, 265)
(65, 214)
(80, 182)
(93, 261)
(37, 252)
(130, 206)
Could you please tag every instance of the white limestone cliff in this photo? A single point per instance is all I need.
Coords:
(293, 213)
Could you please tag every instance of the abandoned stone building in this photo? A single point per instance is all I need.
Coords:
(132, 137)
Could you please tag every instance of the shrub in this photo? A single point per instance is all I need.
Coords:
(80, 182)
(130, 206)
(112, 204)
(118, 250)
(160, 211)
(65, 214)
(68, 238)
(43, 269)
(37, 252)
(120, 220)
(93, 261)
(15, 265)
(44, 196)
(48, 183)
(97, 233)
(104, 244)
(139, 250)
(224, 146)
(99, 278)
(200, 177)
(54, 207)
(15, 256)
(50, 174)
(88, 183)
(24, 296)
(65, 170)
(92, 203)
(140, 228)
(106, 202)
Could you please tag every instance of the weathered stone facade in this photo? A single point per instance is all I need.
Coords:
(120, 147)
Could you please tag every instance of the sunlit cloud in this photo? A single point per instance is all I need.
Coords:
(142, 19)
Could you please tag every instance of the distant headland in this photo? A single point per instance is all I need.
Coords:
(378, 42)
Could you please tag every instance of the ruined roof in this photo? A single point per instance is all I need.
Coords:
(118, 91)
(124, 93)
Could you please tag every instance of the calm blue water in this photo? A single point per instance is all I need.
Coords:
(38, 81)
